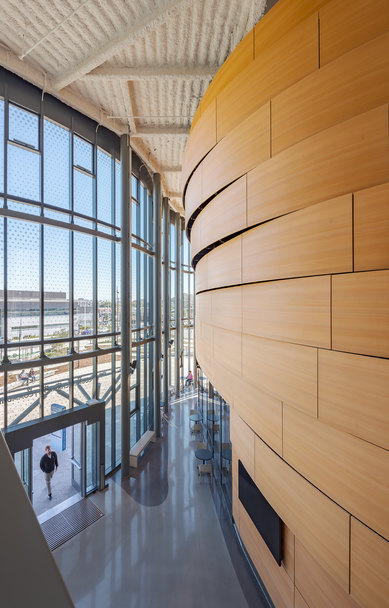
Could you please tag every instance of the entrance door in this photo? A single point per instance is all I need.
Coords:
(23, 464)
(77, 459)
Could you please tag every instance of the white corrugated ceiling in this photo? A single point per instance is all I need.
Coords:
(138, 66)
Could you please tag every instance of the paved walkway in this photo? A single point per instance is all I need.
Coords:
(160, 543)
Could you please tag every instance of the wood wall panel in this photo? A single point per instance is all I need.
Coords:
(369, 581)
(291, 332)
(352, 472)
(287, 371)
(354, 153)
(202, 274)
(202, 139)
(242, 439)
(360, 313)
(312, 241)
(193, 195)
(283, 17)
(242, 149)
(224, 215)
(296, 310)
(288, 551)
(275, 578)
(204, 307)
(195, 236)
(353, 395)
(261, 411)
(299, 601)
(315, 519)
(233, 65)
(224, 264)
(227, 308)
(316, 586)
(365, 21)
(227, 347)
(371, 228)
(286, 61)
(352, 84)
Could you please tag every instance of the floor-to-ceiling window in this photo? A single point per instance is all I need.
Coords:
(187, 307)
(142, 261)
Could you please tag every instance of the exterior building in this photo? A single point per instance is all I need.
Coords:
(278, 273)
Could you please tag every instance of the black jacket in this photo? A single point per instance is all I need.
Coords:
(47, 464)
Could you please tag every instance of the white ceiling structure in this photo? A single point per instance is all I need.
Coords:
(138, 67)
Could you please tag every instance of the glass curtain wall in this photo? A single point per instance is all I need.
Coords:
(59, 261)
(142, 261)
(187, 308)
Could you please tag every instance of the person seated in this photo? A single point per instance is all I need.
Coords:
(31, 375)
(23, 376)
(189, 379)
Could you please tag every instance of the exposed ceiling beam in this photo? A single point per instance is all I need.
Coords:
(175, 194)
(127, 36)
(128, 104)
(151, 73)
(168, 169)
(142, 131)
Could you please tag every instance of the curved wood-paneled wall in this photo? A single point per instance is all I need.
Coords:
(286, 189)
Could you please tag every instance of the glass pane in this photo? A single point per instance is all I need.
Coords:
(91, 457)
(23, 126)
(56, 282)
(24, 353)
(57, 349)
(83, 381)
(118, 409)
(104, 187)
(133, 427)
(56, 388)
(23, 398)
(118, 287)
(134, 217)
(56, 158)
(24, 173)
(104, 392)
(24, 208)
(23, 253)
(2, 244)
(83, 192)
(2, 398)
(104, 286)
(1, 145)
(118, 189)
(82, 153)
(83, 284)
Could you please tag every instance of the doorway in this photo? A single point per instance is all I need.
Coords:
(78, 438)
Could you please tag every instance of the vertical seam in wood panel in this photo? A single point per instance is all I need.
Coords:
(349, 554)
(317, 383)
(352, 232)
(318, 39)
(282, 429)
(216, 118)
(270, 125)
(331, 312)
(247, 202)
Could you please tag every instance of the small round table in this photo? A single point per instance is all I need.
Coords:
(213, 417)
(195, 417)
(203, 455)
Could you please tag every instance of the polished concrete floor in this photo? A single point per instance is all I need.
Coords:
(165, 539)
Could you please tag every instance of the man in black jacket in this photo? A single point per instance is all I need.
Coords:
(49, 462)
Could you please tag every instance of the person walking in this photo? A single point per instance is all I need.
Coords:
(48, 463)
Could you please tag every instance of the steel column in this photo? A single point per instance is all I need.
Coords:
(178, 304)
(165, 303)
(125, 160)
(157, 302)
